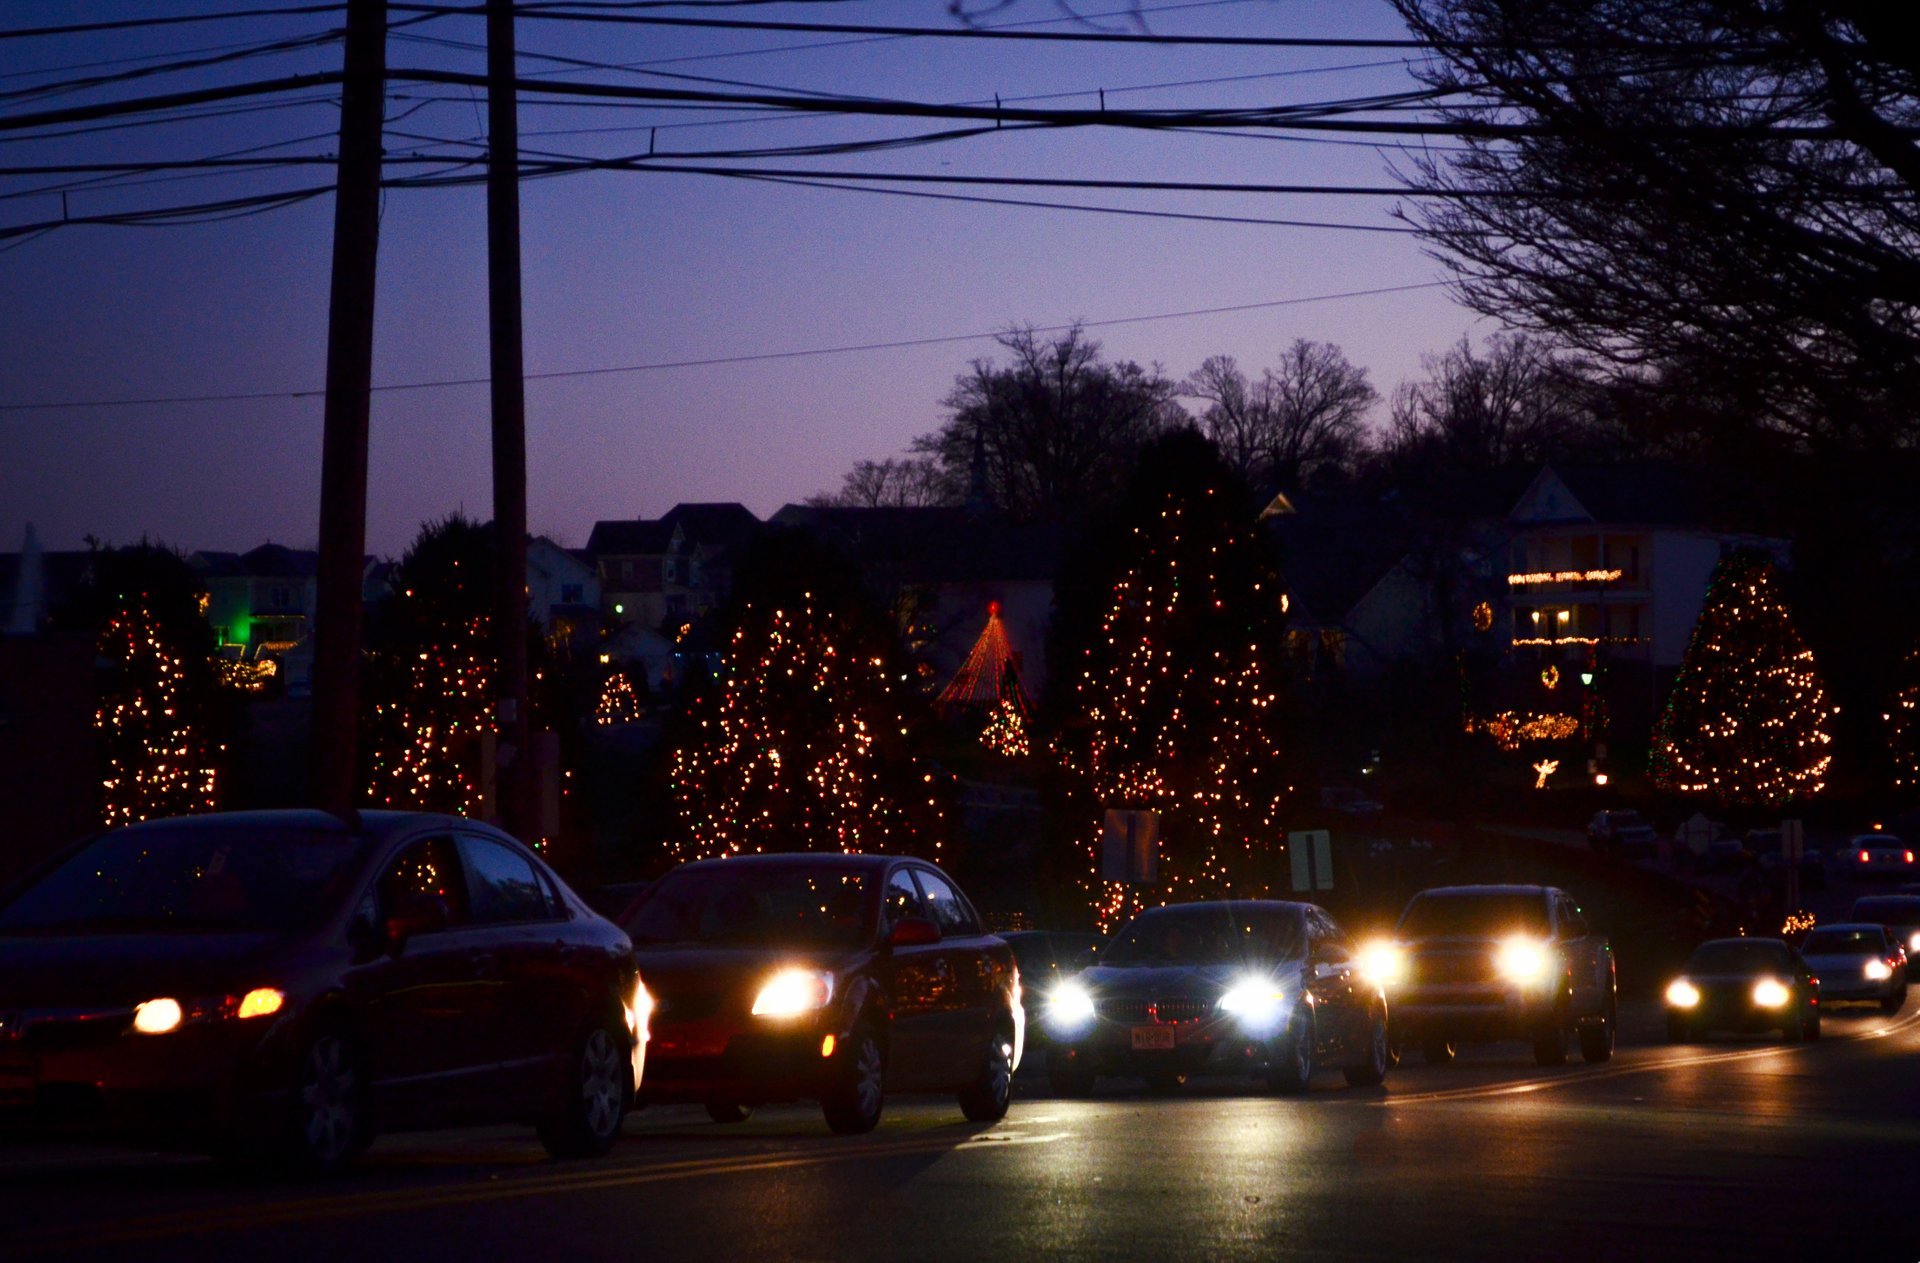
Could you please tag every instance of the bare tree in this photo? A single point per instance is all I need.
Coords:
(1302, 417)
(911, 482)
(1516, 401)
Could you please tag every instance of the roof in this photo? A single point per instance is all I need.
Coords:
(1650, 493)
(933, 545)
(634, 537)
(269, 561)
(1333, 552)
(719, 524)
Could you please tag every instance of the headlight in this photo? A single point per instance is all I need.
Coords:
(792, 992)
(157, 1017)
(1771, 993)
(1913, 942)
(1256, 1001)
(1382, 963)
(1878, 971)
(1523, 961)
(1682, 994)
(1069, 1005)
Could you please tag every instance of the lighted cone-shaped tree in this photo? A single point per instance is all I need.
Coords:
(986, 691)
(1174, 702)
(802, 741)
(619, 701)
(158, 757)
(1903, 724)
(1747, 721)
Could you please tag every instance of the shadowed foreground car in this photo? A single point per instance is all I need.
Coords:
(836, 978)
(1231, 986)
(1861, 961)
(287, 983)
(1900, 914)
(1744, 984)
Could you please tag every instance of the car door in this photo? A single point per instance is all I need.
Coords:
(967, 969)
(522, 954)
(1581, 949)
(915, 982)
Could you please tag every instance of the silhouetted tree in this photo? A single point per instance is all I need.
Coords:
(1302, 417)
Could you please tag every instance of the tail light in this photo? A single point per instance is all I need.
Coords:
(1864, 857)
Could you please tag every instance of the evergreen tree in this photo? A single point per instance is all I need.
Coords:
(1747, 720)
(1173, 700)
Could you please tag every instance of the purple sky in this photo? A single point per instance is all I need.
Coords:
(644, 269)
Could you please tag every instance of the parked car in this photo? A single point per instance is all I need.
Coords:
(1900, 914)
(828, 977)
(284, 981)
(1744, 984)
(1045, 957)
(1765, 845)
(1877, 855)
(1857, 961)
(1490, 963)
(1221, 986)
(1622, 833)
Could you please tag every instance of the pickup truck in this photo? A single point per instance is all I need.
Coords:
(1478, 964)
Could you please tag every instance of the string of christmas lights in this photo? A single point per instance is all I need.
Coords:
(156, 759)
(619, 702)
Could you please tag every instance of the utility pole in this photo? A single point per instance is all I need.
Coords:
(515, 776)
(343, 449)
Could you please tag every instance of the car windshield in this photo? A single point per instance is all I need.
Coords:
(180, 879)
(1484, 913)
(1208, 934)
(1737, 957)
(758, 905)
(1844, 943)
(1887, 910)
(1626, 819)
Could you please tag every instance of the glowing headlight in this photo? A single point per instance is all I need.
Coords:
(1878, 971)
(157, 1017)
(1913, 942)
(1382, 963)
(1523, 961)
(1069, 1005)
(1256, 1001)
(260, 1002)
(792, 992)
(1771, 993)
(1682, 994)
(639, 1009)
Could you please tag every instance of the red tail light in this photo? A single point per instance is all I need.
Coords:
(1864, 857)
(1909, 857)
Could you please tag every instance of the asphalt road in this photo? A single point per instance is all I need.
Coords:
(1736, 1148)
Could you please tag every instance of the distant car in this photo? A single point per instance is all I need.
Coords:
(1349, 801)
(1622, 833)
(1743, 984)
(1490, 963)
(1224, 986)
(828, 977)
(287, 981)
(1900, 914)
(1877, 855)
(614, 900)
(1857, 961)
(1045, 957)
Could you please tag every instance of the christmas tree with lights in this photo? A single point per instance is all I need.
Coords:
(986, 691)
(157, 754)
(619, 701)
(1174, 701)
(1747, 720)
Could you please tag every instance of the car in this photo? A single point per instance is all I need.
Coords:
(1045, 957)
(1743, 984)
(1622, 833)
(828, 977)
(1469, 964)
(1858, 960)
(280, 983)
(1900, 913)
(1877, 855)
(1349, 801)
(1226, 985)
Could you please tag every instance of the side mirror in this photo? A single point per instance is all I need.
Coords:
(913, 932)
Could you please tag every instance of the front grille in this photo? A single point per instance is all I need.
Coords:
(686, 1006)
(1442, 969)
(1166, 1010)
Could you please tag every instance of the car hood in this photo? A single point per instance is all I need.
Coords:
(1163, 980)
(674, 968)
(125, 969)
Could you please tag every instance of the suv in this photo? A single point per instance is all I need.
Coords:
(1486, 963)
(1624, 834)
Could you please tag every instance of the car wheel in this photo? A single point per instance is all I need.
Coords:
(332, 1121)
(1436, 1051)
(729, 1111)
(1290, 1065)
(985, 1099)
(599, 1090)
(1550, 1043)
(1596, 1041)
(1678, 1032)
(1067, 1076)
(1372, 1066)
(853, 1106)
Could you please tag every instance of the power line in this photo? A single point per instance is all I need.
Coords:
(128, 24)
(752, 358)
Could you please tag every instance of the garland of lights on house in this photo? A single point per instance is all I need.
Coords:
(155, 761)
(1747, 720)
(1177, 710)
(428, 720)
(619, 701)
(800, 745)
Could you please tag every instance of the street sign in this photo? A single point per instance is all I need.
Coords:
(1312, 854)
(1130, 846)
(1793, 849)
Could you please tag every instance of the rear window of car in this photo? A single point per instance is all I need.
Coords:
(1844, 942)
(1209, 934)
(1887, 910)
(1738, 957)
(1438, 914)
(822, 905)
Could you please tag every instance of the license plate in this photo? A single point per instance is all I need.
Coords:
(1153, 1037)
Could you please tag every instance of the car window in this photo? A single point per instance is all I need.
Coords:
(1845, 942)
(504, 884)
(1210, 934)
(902, 898)
(1329, 944)
(807, 904)
(950, 912)
(1573, 923)
(425, 887)
(1477, 913)
(1739, 956)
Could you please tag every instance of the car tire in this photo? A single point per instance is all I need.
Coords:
(1290, 1065)
(1371, 1069)
(599, 1091)
(729, 1111)
(1436, 1051)
(854, 1104)
(1597, 1040)
(985, 1099)
(1550, 1043)
(331, 1121)
(1067, 1076)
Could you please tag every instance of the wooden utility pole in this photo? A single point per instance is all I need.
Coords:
(509, 425)
(343, 448)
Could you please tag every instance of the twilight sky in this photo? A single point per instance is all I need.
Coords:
(650, 269)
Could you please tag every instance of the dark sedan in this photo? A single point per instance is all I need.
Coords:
(1744, 984)
(1045, 957)
(1228, 986)
(828, 977)
(282, 983)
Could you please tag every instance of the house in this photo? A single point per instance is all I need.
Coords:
(260, 602)
(563, 590)
(667, 572)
